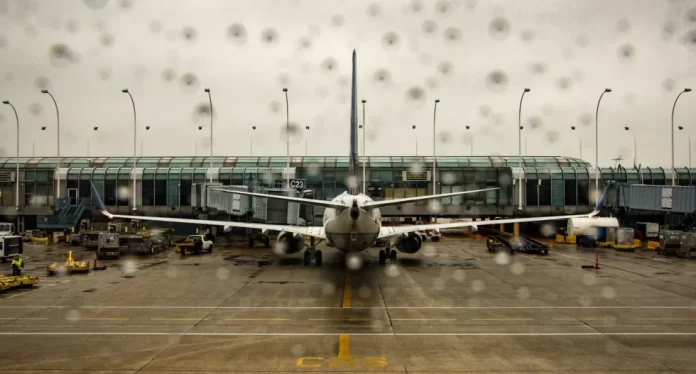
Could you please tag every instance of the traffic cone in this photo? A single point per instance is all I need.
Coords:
(596, 266)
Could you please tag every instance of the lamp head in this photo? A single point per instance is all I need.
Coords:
(680, 127)
(44, 91)
(437, 100)
(147, 127)
(207, 90)
(285, 90)
(364, 101)
(5, 102)
(607, 90)
(253, 127)
(96, 128)
(687, 90)
(626, 128)
(125, 90)
(572, 127)
(414, 127)
(467, 127)
(521, 127)
(43, 128)
(200, 127)
(527, 90)
(307, 127)
(360, 126)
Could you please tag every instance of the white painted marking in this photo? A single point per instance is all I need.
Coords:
(75, 333)
(37, 289)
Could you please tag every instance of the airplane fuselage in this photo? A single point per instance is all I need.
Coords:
(346, 233)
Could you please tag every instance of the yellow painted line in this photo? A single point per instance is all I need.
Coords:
(342, 319)
(104, 319)
(178, 319)
(502, 319)
(257, 319)
(347, 292)
(669, 319)
(344, 346)
(423, 319)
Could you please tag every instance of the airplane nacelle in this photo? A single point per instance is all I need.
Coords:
(473, 228)
(227, 228)
(410, 243)
(289, 243)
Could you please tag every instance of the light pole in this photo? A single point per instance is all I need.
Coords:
(579, 141)
(363, 147)
(674, 106)
(471, 141)
(597, 144)
(287, 140)
(33, 144)
(57, 192)
(306, 141)
(251, 141)
(682, 128)
(635, 146)
(17, 158)
(135, 135)
(414, 127)
(519, 140)
(95, 129)
(211, 133)
(434, 123)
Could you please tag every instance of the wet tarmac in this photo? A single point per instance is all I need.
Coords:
(452, 307)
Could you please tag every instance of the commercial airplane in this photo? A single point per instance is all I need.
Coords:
(352, 219)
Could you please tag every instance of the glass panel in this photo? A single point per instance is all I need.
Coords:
(180, 162)
(247, 161)
(312, 161)
(396, 162)
(173, 190)
(375, 162)
(342, 162)
(480, 162)
(278, 161)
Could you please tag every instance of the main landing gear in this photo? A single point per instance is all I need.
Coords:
(312, 253)
(387, 253)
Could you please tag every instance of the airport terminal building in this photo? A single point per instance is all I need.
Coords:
(165, 186)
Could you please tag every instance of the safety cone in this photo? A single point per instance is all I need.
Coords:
(596, 265)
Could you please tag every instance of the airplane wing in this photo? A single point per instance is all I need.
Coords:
(381, 203)
(390, 231)
(322, 203)
(317, 232)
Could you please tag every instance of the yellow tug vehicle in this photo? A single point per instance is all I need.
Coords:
(71, 266)
(8, 282)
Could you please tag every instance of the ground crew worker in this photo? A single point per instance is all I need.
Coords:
(17, 265)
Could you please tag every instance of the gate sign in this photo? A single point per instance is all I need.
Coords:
(298, 183)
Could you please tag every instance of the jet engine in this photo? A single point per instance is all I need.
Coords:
(289, 243)
(228, 228)
(473, 228)
(410, 243)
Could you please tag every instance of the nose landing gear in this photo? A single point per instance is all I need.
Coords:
(312, 253)
(387, 253)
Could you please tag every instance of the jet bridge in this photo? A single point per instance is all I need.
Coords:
(260, 209)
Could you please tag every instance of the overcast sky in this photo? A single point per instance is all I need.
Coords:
(475, 56)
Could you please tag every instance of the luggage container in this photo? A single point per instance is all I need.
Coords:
(670, 241)
(688, 244)
(108, 245)
(648, 230)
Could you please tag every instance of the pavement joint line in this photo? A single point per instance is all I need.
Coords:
(423, 319)
(502, 319)
(257, 319)
(85, 333)
(342, 319)
(177, 319)
(334, 307)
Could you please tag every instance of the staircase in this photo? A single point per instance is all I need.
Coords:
(68, 215)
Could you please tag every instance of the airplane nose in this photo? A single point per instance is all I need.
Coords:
(354, 211)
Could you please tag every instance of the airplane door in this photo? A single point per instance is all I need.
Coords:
(72, 195)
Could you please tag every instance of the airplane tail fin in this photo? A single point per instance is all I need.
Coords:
(100, 203)
(600, 202)
(353, 166)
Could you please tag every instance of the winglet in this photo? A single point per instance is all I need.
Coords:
(600, 202)
(100, 204)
